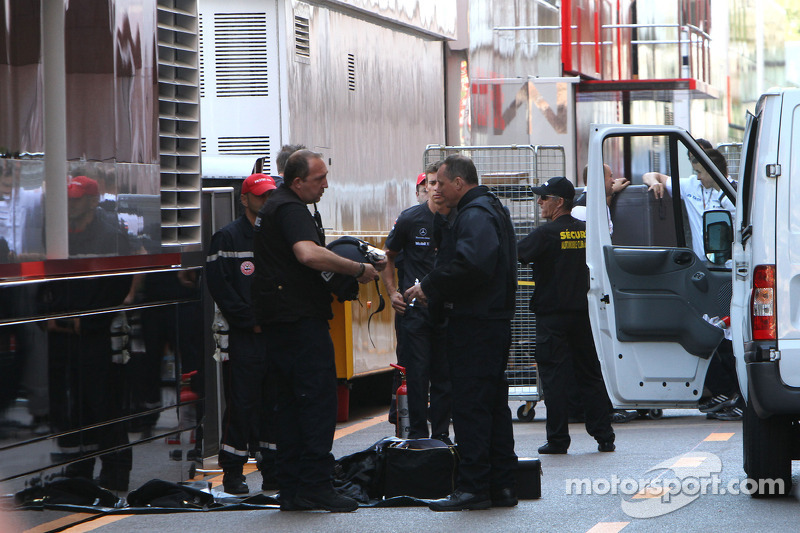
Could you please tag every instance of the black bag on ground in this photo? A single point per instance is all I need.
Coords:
(68, 491)
(422, 468)
(164, 494)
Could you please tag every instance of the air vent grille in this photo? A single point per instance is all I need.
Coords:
(240, 43)
(302, 39)
(253, 146)
(351, 72)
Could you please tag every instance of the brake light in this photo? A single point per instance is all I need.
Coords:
(762, 304)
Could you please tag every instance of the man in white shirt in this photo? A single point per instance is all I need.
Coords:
(700, 193)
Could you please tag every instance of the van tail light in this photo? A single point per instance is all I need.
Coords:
(762, 304)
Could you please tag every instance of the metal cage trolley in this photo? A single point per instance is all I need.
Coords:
(510, 172)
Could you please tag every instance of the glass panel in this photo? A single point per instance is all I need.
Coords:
(21, 210)
(639, 217)
(21, 79)
(117, 371)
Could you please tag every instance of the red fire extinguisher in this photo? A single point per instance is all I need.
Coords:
(403, 423)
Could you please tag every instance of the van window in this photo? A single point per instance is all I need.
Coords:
(671, 187)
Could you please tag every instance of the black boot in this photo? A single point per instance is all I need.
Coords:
(234, 482)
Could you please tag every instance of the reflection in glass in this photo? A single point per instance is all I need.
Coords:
(21, 210)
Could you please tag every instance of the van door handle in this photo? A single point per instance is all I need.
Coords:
(700, 281)
(683, 258)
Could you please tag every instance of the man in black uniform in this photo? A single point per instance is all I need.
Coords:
(475, 281)
(249, 395)
(557, 252)
(420, 347)
(293, 305)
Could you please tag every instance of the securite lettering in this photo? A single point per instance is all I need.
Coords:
(573, 240)
(573, 245)
(571, 235)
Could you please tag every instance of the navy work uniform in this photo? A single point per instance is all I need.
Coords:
(420, 347)
(474, 281)
(557, 253)
(293, 305)
(249, 387)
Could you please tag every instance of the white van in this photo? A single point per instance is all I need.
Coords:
(649, 290)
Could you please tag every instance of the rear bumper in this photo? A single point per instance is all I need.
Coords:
(769, 394)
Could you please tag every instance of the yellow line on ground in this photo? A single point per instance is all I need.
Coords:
(60, 522)
(94, 524)
(349, 430)
(716, 437)
(608, 527)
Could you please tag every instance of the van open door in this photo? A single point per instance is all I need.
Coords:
(651, 283)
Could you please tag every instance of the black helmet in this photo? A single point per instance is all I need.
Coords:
(345, 287)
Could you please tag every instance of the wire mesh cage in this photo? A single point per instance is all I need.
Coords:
(510, 172)
(733, 154)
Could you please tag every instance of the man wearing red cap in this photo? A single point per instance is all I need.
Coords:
(249, 397)
(422, 188)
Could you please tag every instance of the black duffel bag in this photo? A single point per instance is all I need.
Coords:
(422, 468)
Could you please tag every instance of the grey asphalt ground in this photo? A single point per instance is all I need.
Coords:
(681, 445)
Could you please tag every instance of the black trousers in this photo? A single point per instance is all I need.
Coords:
(249, 418)
(562, 338)
(301, 356)
(477, 351)
(86, 389)
(721, 377)
(423, 355)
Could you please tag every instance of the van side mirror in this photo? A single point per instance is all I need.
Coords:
(717, 235)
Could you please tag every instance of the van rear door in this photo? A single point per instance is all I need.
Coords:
(649, 288)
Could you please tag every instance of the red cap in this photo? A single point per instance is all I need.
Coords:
(80, 186)
(258, 184)
(422, 177)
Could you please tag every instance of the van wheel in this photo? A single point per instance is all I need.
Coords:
(767, 454)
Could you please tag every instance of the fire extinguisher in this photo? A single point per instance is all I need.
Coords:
(403, 423)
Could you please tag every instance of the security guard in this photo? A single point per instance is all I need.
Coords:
(249, 394)
(293, 305)
(557, 252)
(475, 280)
(421, 341)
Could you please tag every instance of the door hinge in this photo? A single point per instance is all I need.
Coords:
(773, 171)
(774, 355)
(605, 299)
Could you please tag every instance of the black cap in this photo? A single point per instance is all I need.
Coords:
(559, 186)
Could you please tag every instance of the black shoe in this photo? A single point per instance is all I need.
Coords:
(234, 482)
(551, 449)
(621, 416)
(506, 497)
(288, 503)
(327, 499)
(606, 446)
(720, 401)
(460, 500)
(730, 414)
(443, 438)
